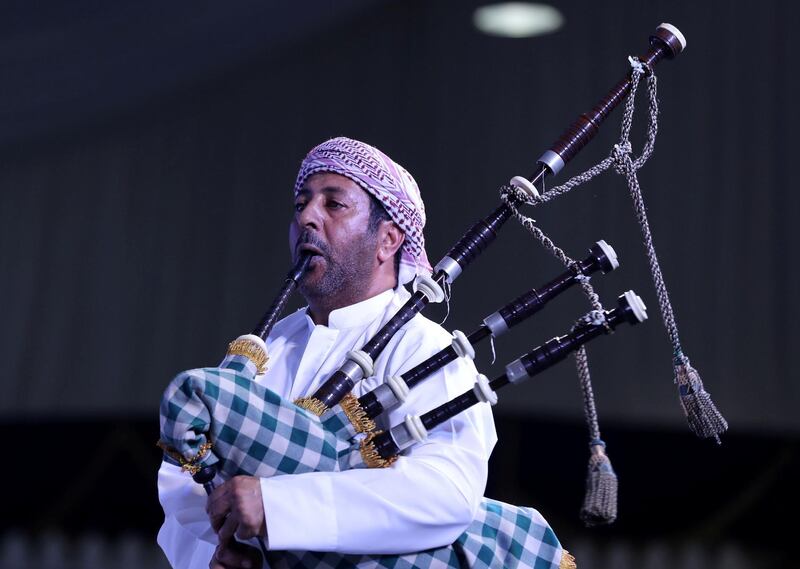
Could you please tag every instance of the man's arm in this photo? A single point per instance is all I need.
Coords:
(186, 536)
(426, 499)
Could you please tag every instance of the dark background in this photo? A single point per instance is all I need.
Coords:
(147, 154)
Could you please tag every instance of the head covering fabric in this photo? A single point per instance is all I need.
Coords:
(387, 181)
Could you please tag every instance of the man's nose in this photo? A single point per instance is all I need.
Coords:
(310, 216)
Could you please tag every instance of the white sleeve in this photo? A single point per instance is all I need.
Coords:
(426, 499)
(186, 536)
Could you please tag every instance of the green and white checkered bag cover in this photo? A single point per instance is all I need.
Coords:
(256, 432)
(501, 536)
(253, 430)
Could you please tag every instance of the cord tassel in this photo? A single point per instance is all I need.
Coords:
(701, 413)
(600, 501)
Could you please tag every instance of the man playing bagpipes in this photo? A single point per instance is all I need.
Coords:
(325, 460)
(362, 217)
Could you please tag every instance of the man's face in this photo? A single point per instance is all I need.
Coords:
(331, 219)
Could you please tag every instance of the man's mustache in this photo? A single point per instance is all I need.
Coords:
(308, 238)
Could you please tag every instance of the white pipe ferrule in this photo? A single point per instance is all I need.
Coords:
(450, 267)
(385, 396)
(496, 324)
(610, 254)
(415, 428)
(523, 184)
(483, 391)
(553, 161)
(461, 345)
(429, 288)
(362, 360)
(515, 371)
(637, 305)
(399, 387)
(676, 32)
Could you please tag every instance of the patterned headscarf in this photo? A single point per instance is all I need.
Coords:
(387, 181)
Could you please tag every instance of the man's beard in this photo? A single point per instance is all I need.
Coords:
(345, 273)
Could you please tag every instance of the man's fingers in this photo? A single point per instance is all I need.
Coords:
(235, 507)
(218, 506)
(218, 520)
(228, 527)
(245, 531)
(215, 562)
(237, 555)
(218, 495)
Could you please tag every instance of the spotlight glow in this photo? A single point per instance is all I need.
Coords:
(517, 19)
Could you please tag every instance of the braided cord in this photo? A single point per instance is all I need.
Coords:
(597, 314)
(623, 162)
(530, 224)
(600, 500)
(590, 410)
(704, 419)
(625, 165)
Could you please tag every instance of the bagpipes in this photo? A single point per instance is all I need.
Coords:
(218, 420)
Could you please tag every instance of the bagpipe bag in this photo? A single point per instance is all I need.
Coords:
(254, 431)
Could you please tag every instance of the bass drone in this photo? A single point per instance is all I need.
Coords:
(333, 420)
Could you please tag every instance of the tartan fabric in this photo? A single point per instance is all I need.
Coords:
(253, 430)
(501, 536)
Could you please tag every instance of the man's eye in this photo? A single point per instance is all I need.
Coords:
(299, 206)
(334, 204)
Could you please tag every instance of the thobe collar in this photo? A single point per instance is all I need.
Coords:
(362, 313)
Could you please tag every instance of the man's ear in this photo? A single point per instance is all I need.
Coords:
(390, 239)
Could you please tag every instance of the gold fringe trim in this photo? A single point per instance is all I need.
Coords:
(250, 350)
(370, 454)
(358, 417)
(187, 465)
(567, 560)
(311, 404)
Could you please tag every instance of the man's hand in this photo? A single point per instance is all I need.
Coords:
(235, 509)
(234, 555)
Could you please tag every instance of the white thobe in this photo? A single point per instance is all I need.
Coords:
(426, 499)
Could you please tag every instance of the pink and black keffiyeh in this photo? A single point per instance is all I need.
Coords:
(387, 181)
